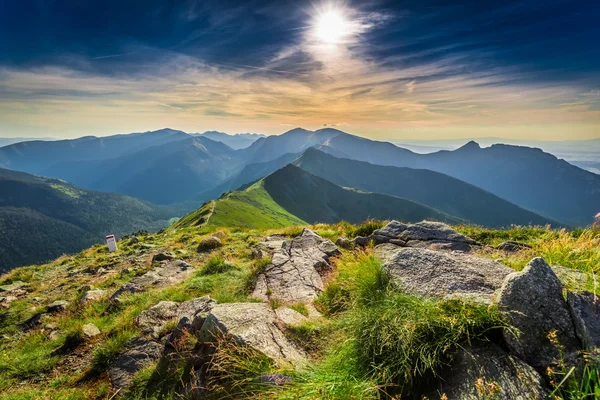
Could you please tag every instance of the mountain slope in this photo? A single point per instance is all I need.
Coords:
(42, 218)
(434, 189)
(291, 196)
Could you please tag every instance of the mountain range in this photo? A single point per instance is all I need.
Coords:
(169, 166)
(236, 141)
(42, 218)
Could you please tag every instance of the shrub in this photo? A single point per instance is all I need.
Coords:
(217, 265)
(366, 228)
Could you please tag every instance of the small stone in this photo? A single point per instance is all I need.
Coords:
(57, 306)
(54, 335)
(220, 235)
(275, 379)
(92, 296)
(344, 243)
(133, 240)
(51, 326)
(512, 247)
(596, 223)
(209, 244)
(256, 254)
(90, 331)
(361, 241)
(289, 316)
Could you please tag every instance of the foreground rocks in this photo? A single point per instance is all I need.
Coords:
(425, 234)
(137, 354)
(532, 301)
(585, 311)
(436, 274)
(297, 269)
(486, 369)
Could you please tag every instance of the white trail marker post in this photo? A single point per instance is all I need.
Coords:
(112, 243)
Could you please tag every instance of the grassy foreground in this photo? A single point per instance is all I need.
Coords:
(374, 341)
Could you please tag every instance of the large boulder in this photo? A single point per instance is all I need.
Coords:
(447, 275)
(297, 268)
(485, 371)
(533, 303)
(253, 325)
(585, 311)
(137, 354)
(425, 234)
(209, 244)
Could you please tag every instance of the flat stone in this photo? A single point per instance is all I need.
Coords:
(150, 321)
(427, 230)
(295, 274)
(532, 302)
(392, 230)
(13, 286)
(137, 354)
(289, 316)
(585, 311)
(57, 306)
(92, 295)
(447, 275)
(253, 325)
(163, 257)
(489, 365)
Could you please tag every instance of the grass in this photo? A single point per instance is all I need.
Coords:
(217, 265)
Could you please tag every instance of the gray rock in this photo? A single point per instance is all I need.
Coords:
(344, 243)
(253, 325)
(13, 286)
(191, 316)
(385, 251)
(92, 296)
(361, 241)
(220, 235)
(90, 330)
(57, 306)
(289, 317)
(512, 247)
(596, 223)
(574, 279)
(129, 287)
(275, 379)
(209, 244)
(488, 364)
(272, 243)
(426, 231)
(137, 354)
(163, 257)
(297, 268)
(434, 274)
(585, 311)
(533, 303)
(392, 230)
(151, 321)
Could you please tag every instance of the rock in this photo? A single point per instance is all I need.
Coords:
(151, 321)
(573, 279)
(385, 251)
(437, 231)
(57, 306)
(596, 223)
(13, 286)
(532, 302)
(289, 316)
(361, 241)
(434, 274)
(256, 254)
(129, 287)
(344, 243)
(253, 325)
(137, 354)
(6, 300)
(54, 335)
(209, 244)
(163, 257)
(90, 330)
(31, 323)
(133, 239)
(50, 327)
(585, 311)
(273, 243)
(191, 316)
(512, 247)
(485, 371)
(275, 379)
(220, 235)
(295, 273)
(392, 230)
(92, 296)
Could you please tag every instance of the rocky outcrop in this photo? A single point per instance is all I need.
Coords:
(152, 320)
(425, 234)
(437, 274)
(533, 303)
(485, 371)
(585, 311)
(137, 354)
(253, 325)
(289, 317)
(166, 274)
(297, 269)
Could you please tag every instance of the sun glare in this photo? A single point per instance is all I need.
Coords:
(331, 26)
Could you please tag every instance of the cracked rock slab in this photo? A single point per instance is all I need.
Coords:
(297, 268)
(137, 354)
(253, 325)
(448, 275)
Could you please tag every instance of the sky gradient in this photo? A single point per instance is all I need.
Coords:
(422, 69)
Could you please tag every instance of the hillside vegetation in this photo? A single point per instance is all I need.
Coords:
(42, 218)
(372, 341)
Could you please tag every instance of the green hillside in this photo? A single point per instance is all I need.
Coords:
(291, 196)
(434, 189)
(42, 218)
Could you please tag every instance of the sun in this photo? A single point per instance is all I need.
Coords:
(331, 26)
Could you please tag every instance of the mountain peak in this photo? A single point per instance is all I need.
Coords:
(471, 145)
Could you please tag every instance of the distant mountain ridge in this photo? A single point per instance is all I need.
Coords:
(42, 218)
(236, 141)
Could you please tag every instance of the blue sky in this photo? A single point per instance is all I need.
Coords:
(382, 69)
